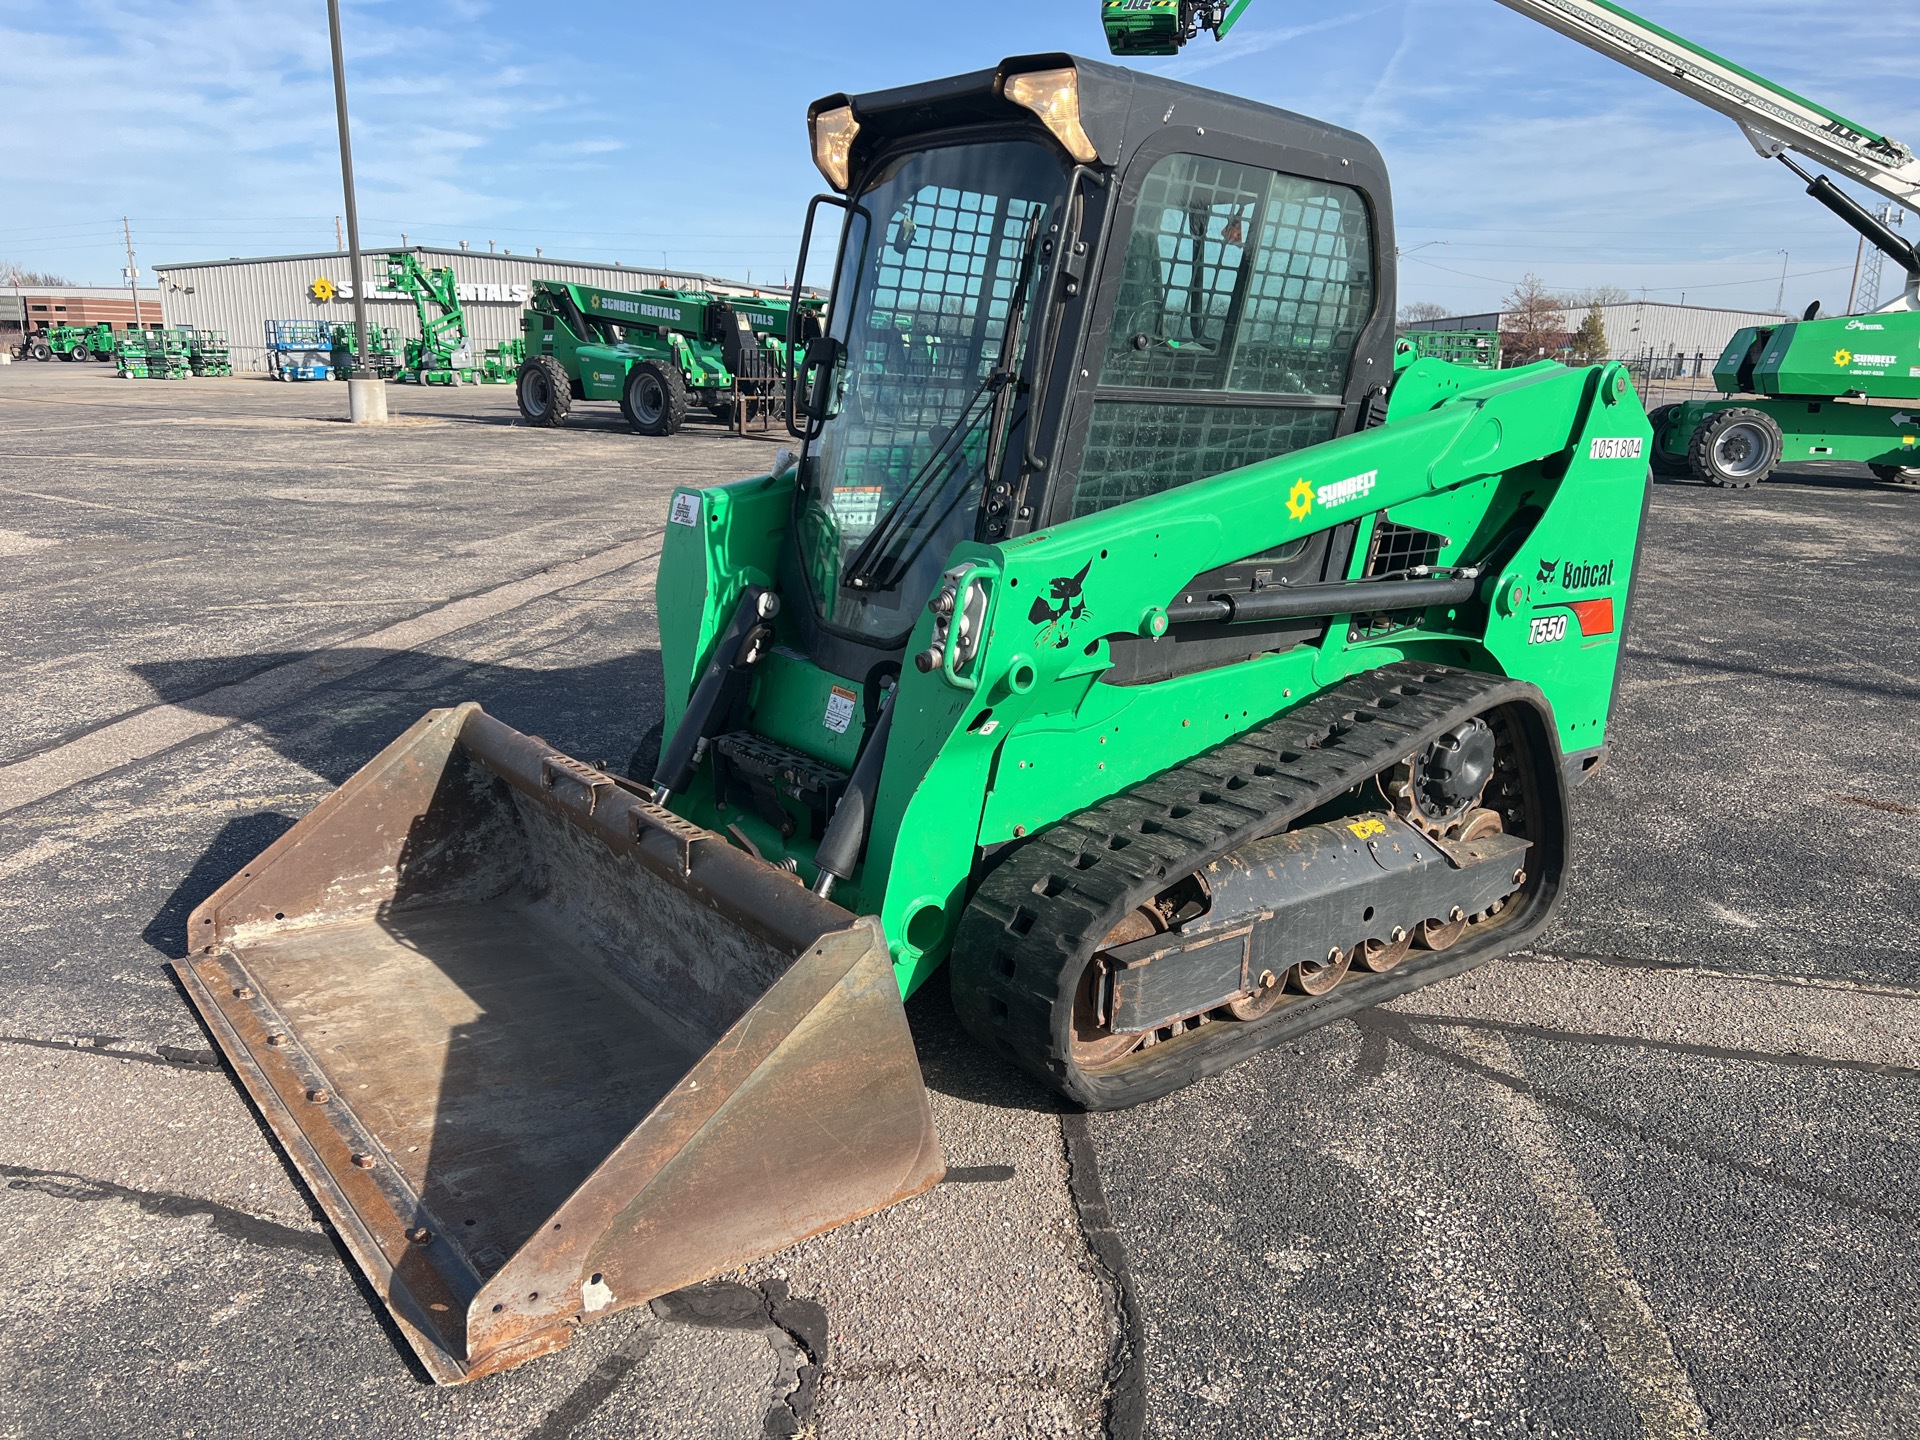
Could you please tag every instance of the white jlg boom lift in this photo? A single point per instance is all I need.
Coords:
(1805, 389)
(1773, 118)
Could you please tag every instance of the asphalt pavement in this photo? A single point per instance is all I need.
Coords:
(1656, 1177)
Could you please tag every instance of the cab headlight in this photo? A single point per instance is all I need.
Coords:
(833, 134)
(1054, 95)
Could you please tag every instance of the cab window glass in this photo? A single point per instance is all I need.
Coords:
(1238, 281)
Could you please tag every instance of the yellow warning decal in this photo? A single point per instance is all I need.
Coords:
(1367, 829)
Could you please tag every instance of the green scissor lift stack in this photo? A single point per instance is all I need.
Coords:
(169, 353)
(130, 354)
(209, 353)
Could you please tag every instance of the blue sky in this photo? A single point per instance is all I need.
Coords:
(635, 132)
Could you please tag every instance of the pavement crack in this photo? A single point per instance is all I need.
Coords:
(796, 1327)
(172, 1057)
(1126, 1416)
(237, 1224)
(1397, 1030)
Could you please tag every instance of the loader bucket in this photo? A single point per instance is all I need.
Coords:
(543, 1050)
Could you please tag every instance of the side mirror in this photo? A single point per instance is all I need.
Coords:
(823, 359)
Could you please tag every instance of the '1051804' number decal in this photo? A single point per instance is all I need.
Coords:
(1545, 629)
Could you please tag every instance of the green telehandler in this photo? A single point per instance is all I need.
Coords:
(1133, 633)
(657, 352)
(81, 342)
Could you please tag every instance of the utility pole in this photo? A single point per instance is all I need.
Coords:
(366, 396)
(1866, 297)
(338, 243)
(133, 274)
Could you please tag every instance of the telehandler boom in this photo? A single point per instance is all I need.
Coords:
(1133, 634)
(1794, 391)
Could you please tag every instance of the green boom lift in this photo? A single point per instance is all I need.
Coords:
(1819, 389)
(440, 354)
(656, 352)
(1133, 635)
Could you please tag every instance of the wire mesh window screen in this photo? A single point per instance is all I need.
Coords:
(1201, 308)
(1397, 549)
(944, 280)
(1135, 449)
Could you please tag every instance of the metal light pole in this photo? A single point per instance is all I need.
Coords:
(366, 396)
(1780, 301)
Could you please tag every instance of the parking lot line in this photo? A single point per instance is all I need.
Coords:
(1636, 1343)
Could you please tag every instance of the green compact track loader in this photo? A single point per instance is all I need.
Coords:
(1129, 632)
(656, 352)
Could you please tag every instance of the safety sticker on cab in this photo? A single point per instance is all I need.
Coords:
(686, 509)
(840, 703)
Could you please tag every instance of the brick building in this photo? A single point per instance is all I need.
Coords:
(44, 305)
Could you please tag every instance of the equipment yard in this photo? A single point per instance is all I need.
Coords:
(1658, 1174)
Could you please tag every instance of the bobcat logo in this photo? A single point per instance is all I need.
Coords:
(1056, 619)
(1547, 567)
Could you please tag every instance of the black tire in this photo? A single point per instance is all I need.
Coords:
(1897, 474)
(655, 398)
(1735, 449)
(646, 755)
(1664, 464)
(39, 350)
(543, 390)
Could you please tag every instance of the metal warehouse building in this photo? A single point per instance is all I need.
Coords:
(239, 295)
(1673, 340)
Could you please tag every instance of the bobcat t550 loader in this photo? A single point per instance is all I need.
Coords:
(1131, 637)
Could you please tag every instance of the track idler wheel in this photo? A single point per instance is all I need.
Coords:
(1377, 957)
(1269, 990)
(1441, 934)
(1093, 1044)
(1305, 979)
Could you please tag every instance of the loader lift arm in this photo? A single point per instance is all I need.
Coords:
(1774, 119)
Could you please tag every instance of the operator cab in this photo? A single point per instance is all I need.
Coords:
(1061, 285)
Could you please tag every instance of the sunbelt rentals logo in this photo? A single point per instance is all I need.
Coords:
(1304, 495)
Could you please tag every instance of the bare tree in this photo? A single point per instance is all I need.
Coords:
(1532, 324)
(12, 274)
(1594, 295)
(1422, 310)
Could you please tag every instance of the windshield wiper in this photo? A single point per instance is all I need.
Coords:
(876, 565)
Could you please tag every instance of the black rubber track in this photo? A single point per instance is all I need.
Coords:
(1033, 926)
